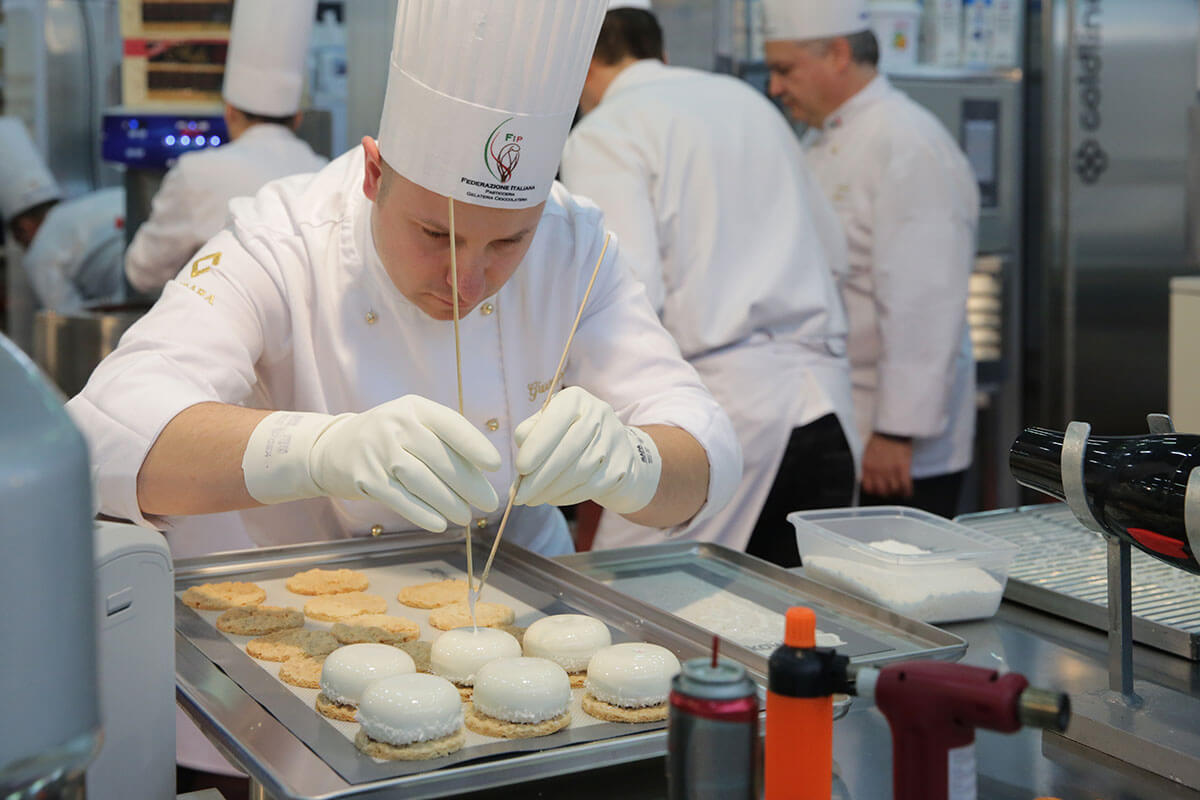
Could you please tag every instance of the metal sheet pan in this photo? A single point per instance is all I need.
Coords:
(230, 714)
(672, 577)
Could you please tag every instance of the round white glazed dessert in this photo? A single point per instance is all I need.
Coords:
(569, 640)
(632, 675)
(412, 708)
(348, 670)
(524, 690)
(458, 654)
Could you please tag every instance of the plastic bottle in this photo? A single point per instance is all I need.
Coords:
(802, 679)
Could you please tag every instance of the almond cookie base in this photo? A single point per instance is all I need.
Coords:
(376, 629)
(417, 751)
(223, 595)
(259, 620)
(334, 710)
(420, 653)
(341, 607)
(327, 581)
(458, 615)
(501, 729)
(282, 645)
(434, 594)
(302, 671)
(610, 713)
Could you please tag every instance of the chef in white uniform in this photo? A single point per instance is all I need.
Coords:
(708, 188)
(72, 247)
(910, 206)
(300, 371)
(264, 79)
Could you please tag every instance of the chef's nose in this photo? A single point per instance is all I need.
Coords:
(472, 282)
(774, 85)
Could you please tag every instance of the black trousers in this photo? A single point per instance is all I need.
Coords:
(937, 495)
(817, 471)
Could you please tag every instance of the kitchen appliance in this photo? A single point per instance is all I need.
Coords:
(1110, 86)
(47, 590)
(135, 638)
(148, 140)
(1140, 495)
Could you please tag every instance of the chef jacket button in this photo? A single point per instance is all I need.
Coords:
(372, 317)
(481, 523)
(493, 425)
(487, 309)
(376, 530)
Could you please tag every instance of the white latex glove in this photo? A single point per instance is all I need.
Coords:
(577, 449)
(419, 458)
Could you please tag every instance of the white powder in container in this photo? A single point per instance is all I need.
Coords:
(929, 594)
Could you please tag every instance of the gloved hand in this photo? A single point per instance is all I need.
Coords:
(419, 458)
(577, 449)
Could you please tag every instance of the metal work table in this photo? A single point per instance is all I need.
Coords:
(1049, 651)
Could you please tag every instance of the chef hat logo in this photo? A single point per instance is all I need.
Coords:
(502, 152)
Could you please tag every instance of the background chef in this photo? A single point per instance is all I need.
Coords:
(708, 188)
(72, 247)
(910, 207)
(264, 79)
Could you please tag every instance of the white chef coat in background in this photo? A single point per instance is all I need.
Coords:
(75, 257)
(192, 204)
(708, 188)
(910, 207)
(291, 308)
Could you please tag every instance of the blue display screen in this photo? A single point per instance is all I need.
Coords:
(156, 140)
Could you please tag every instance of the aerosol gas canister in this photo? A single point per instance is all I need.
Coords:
(712, 738)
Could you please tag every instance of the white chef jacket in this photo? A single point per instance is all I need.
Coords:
(910, 206)
(708, 188)
(192, 203)
(75, 257)
(291, 308)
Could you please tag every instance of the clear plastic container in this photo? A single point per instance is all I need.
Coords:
(917, 564)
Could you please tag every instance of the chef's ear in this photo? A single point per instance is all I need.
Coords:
(373, 169)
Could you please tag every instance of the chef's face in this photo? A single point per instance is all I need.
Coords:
(411, 226)
(802, 77)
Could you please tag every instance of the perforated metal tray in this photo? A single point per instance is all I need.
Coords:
(1062, 569)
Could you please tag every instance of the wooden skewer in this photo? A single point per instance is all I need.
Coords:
(458, 367)
(562, 363)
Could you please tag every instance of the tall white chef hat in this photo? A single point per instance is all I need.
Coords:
(268, 43)
(641, 5)
(481, 94)
(25, 180)
(804, 20)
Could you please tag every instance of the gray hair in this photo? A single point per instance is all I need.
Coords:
(864, 47)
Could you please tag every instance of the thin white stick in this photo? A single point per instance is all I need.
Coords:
(562, 363)
(458, 367)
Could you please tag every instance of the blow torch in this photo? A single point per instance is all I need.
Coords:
(934, 708)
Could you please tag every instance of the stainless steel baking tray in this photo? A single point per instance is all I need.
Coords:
(225, 690)
(1062, 569)
(707, 588)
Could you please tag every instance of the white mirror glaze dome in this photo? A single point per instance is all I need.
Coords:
(632, 675)
(412, 708)
(457, 655)
(348, 670)
(525, 690)
(569, 640)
